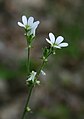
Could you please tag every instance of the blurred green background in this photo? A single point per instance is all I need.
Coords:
(61, 93)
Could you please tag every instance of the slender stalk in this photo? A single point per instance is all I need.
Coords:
(43, 63)
(25, 108)
(30, 88)
(28, 61)
(30, 91)
(41, 67)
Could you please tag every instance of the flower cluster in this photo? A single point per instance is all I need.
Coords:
(29, 25)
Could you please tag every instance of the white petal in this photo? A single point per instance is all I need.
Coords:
(30, 21)
(43, 73)
(33, 73)
(24, 20)
(63, 44)
(38, 82)
(20, 24)
(29, 79)
(52, 37)
(33, 27)
(59, 40)
(35, 24)
(49, 41)
(57, 47)
(33, 31)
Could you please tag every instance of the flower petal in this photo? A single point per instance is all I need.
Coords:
(49, 41)
(20, 24)
(24, 20)
(30, 21)
(52, 37)
(59, 40)
(29, 79)
(33, 31)
(43, 73)
(57, 47)
(63, 44)
(35, 24)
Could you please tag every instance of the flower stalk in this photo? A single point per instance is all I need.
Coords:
(28, 72)
(27, 102)
(28, 60)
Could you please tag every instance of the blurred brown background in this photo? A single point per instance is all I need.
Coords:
(61, 93)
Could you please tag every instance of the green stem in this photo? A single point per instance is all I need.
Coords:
(41, 67)
(32, 86)
(30, 90)
(49, 53)
(27, 102)
(28, 61)
(43, 63)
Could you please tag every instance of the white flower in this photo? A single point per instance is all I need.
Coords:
(32, 76)
(57, 43)
(43, 73)
(29, 24)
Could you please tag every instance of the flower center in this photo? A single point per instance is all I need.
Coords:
(27, 27)
(54, 44)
